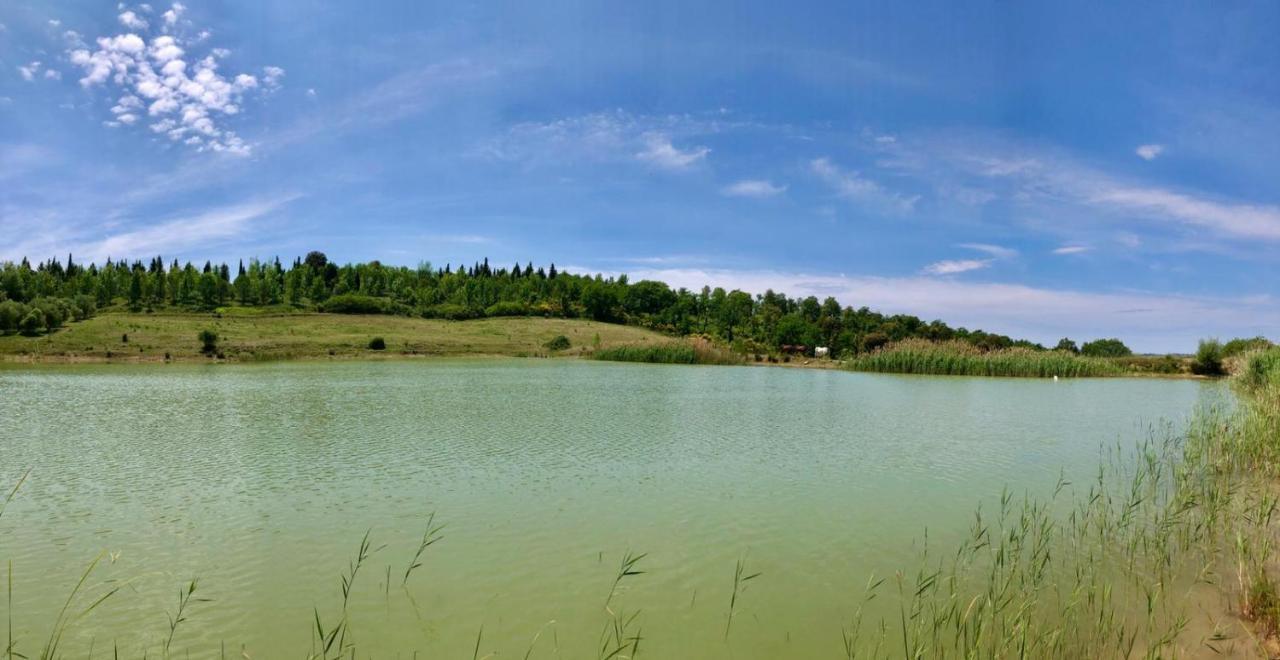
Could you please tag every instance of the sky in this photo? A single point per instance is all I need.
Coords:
(1038, 169)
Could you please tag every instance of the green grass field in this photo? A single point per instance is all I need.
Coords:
(282, 336)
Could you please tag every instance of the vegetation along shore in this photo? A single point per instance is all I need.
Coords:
(314, 309)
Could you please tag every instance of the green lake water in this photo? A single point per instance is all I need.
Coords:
(261, 480)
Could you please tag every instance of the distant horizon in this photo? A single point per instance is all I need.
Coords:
(1034, 169)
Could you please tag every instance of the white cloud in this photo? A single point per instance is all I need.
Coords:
(996, 251)
(1146, 321)
(173, 14)
(52, 74)
(1055, 182)
(54, 23)
(1149, 151)
(955, 266)
(29, 71)
(852, 185)
(188, 99)
(1072, 249)
(756, 188)
(132, 21)
(660, 152)
(1238, 220)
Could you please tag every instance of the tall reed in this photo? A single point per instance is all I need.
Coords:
(956, 358)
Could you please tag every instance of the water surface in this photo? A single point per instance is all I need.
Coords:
(262, 479)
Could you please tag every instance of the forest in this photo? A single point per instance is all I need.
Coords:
(42, 298)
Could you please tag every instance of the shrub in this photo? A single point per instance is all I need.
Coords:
(1238, 346)
(11, 314)
(1105, 348)
(672, 353)
(558, 343)
(377, 344)
(208, 341)
(451, 312)
(351, 303)
(507, 308)
(32, 323)
(1208, 360)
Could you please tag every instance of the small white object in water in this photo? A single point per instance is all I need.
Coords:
(1055, 378)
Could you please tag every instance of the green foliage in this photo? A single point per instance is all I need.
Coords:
(956, 358)
(670, 353)
(32, 323)
(1239, 346)
(558, 343)
(1105, 348)
(351, 303)
(1067, 344)
(377, 344)
(1208, 360)
(507, 308)
(1263, 370)
(451, 312)
(208, 341)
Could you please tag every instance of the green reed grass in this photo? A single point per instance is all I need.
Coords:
(957, 358)
(687, 351)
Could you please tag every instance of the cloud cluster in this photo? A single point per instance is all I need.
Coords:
(183, 98)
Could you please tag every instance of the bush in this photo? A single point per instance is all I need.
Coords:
(11, 314)
(1238, 346)
(451, 312)
(377, 344)
(208, 341)
(351, 303)
(507, 308)
(1105, 348)
(1208, 360)
(32, 323)
(558, 343)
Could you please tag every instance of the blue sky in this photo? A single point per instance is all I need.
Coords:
(1037, 169)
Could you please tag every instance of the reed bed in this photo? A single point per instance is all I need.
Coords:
(688, 351)
(955, 358)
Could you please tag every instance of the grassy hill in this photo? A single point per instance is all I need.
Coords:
(256, 334)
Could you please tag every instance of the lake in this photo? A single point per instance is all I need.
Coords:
(261, 480)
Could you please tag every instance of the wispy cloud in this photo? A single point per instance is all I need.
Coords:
(1149, 151)
(755, 188)
(1072, 249)
(200, 230)
(997, 251)
(1037, 176)
(660, 152)
(853, 185)
(955, 266)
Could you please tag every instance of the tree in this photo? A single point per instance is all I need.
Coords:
(316, 261)
(600, 301)
(1105, 348)
(648, 297)
(1208, 360)
(1068, 345)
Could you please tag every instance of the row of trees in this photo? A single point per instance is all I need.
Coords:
(759, 323)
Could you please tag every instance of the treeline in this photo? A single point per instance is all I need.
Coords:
(43, 297)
